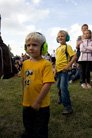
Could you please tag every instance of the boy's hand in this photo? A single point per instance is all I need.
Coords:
(36, 106)
(73, 59)
(37, 103)
(65, 69)
(55, 74)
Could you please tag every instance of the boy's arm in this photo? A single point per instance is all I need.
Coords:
(22, 88)
(41, 96)
(55, 71)
(65, 69)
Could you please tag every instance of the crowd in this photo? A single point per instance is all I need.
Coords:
(18, 60)
(38, 75)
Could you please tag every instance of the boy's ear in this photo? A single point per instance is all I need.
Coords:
(25, 48)
(44, 48)
(57, 40)
(68, 38)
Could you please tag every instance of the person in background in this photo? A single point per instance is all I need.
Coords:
(47, 56)
(75, 77)
(22, 58)
(85, 58)
(26, 57)
(73, 70)
(53, 57)
(78, 42)
(7, 66)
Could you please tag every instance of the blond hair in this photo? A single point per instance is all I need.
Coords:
(36, 36)
(63, 32)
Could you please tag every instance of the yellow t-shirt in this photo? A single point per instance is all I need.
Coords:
(35, 74)
(61, 60)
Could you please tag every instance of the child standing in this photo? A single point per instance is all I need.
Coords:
(86, 58)
(62, 67)
(79, 41)
(37, 74)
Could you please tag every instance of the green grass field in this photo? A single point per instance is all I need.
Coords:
(76, 125)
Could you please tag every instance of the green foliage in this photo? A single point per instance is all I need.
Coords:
(76, 125)
(12, 55)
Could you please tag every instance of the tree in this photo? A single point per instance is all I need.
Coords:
(10, 50)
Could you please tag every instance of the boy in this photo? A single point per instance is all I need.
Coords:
(37, 77)
(63, 63)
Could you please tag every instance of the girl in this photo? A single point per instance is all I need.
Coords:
(86, 58)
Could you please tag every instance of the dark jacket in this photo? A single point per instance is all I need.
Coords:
(7, 66)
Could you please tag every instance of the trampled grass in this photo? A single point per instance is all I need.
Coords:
(76, 125)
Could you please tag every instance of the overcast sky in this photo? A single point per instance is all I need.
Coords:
(20, 17)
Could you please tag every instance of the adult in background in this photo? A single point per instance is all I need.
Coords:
(79, 41)
(47, 56)
(53, 57)
(7, 67)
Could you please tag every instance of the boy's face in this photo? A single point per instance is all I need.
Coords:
(33, 48)
(61, 38)
(87, 34)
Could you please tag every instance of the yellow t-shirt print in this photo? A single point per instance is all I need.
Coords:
(28, 80)
(62, 49)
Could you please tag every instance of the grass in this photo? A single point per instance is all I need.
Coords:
(76, 125)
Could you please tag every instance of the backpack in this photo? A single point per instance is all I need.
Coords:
(66, 53)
